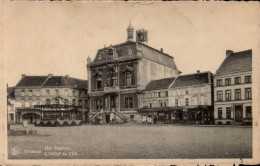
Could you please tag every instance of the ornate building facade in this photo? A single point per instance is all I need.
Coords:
(119, 73)
(233, 89)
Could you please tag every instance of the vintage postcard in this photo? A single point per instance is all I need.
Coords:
(129, 83)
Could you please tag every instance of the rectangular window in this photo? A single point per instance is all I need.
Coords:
(237, 80)
(159, 94)
(11, 116)
(187, 92)
(30, 92)
(248, 93)
(74, 93)
(187, 102)
(219, 82)
(80, 103)
(154, 94)
(220, 113)
(219, 95)
(228, 81)
(206, 100)
(228, 95)
(30, 103)
(57, 92)
(114, 81)
(199, 100)
(248, 112)
(248, 79)
(151, 105)
(132, 117)
(23, 92)
(161, 104)
(166, 93)
(38, 101)
(176, 102)
(48, 101)
(38, 92)
(73, 101)
(66, 93)
(237, 94)
(144, 104)
(128, 79)
(165, 104)
(47, 92)
(228, 112)
(99, 82)
(23, 103)
(57, 101)
(128, 102)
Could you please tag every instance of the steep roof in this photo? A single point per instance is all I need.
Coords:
(56, 81)
(52, 81)
(77, 83)
(157, 56)
(32, 81)
(159, 84)
(148, 53)
(236, 62)
(192, 79)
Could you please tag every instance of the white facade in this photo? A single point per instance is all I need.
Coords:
(236, 108)
(190, 95)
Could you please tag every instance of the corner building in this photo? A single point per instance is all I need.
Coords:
(119, 73)
(233, 89)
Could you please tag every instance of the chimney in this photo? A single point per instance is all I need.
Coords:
(198, 71)
(23, 75)
(50, 75)
(209, 77)
(228, 52)
(88, 60)
(67, 76)
(162, 50)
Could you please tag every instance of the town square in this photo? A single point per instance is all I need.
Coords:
(133, 141)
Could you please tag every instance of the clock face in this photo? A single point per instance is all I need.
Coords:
(130, 51)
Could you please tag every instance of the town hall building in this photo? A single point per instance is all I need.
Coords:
(119, 73)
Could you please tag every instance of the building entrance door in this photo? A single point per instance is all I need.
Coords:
(107, 118)
(238, 113)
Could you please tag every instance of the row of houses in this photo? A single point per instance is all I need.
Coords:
(133, 82)
(47, 97)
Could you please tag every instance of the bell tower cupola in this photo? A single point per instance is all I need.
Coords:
(130, 32)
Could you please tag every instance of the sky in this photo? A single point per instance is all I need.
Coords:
(57, 38)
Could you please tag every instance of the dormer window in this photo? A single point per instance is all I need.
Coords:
(99, 57)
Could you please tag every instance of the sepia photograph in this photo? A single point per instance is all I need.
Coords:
(128, 80)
